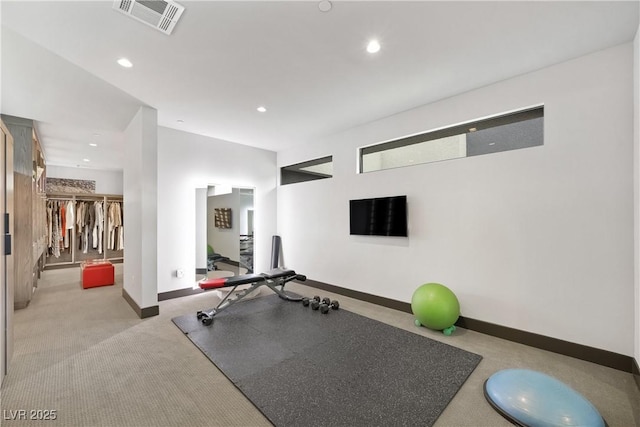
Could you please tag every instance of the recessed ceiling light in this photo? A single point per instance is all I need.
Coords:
(472, 129)
(125, 63)
(180, 121)
(324, 6)
(86, 160)
(373, 46)
(93, 144)
(492, 143)
(261, 109)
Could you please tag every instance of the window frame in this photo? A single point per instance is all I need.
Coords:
(501, 119)
(297, 167)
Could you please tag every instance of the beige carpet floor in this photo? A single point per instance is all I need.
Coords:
(85, 355)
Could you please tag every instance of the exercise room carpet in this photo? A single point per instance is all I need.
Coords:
(301, 367)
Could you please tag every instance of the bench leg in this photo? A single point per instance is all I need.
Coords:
(281, 292)
(206, 317)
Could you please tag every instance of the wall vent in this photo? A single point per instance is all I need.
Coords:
(159, 14)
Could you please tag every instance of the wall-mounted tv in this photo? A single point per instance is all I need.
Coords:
(382, 216)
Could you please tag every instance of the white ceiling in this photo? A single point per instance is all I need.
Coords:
(309, 68)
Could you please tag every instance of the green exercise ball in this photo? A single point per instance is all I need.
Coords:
(435, 306)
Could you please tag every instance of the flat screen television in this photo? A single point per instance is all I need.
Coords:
(382, 216)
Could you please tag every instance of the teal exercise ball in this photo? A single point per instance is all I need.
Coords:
(435, 306)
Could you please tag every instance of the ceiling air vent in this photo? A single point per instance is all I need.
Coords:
(159, 14)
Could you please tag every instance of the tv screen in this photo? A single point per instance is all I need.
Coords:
(383, 216)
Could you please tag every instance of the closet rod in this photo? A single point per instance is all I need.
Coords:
(88, 198)
(57, 194)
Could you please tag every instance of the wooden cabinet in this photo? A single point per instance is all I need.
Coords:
(6, 246)
(39, 202)
(27, 159)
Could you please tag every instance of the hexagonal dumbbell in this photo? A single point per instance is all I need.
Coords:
(327, 303)
(314, 302)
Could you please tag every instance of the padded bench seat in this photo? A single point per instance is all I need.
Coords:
(243, 279)
(274, 279)
(96, 273)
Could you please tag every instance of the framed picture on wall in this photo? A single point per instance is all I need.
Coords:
(222, 217)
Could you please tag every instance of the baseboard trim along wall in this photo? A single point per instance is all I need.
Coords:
(579, 351)
(555, 345)
(162, 296)
(142, 313)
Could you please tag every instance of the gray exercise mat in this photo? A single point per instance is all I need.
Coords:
(302, 367)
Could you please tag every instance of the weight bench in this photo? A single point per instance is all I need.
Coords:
(273, 279)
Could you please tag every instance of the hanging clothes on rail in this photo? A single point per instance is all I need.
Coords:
(85, 229)
(57, 236)
(121, 228)
(79, 223)
(77, 230)
(98, 227)
(70, 221)
(82, 220)
(63, 220)
(57, 226)
(49, 224)
(116, 226)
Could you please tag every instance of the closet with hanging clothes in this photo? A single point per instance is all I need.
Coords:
(83, 227)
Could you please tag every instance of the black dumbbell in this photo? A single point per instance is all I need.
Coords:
(326, 303)
(315, 302)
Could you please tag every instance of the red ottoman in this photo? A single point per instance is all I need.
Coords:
(96, 273)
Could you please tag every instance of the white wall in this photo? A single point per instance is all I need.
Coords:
(539, 239)
(140, 209)
(188, 161)
(107, 181)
